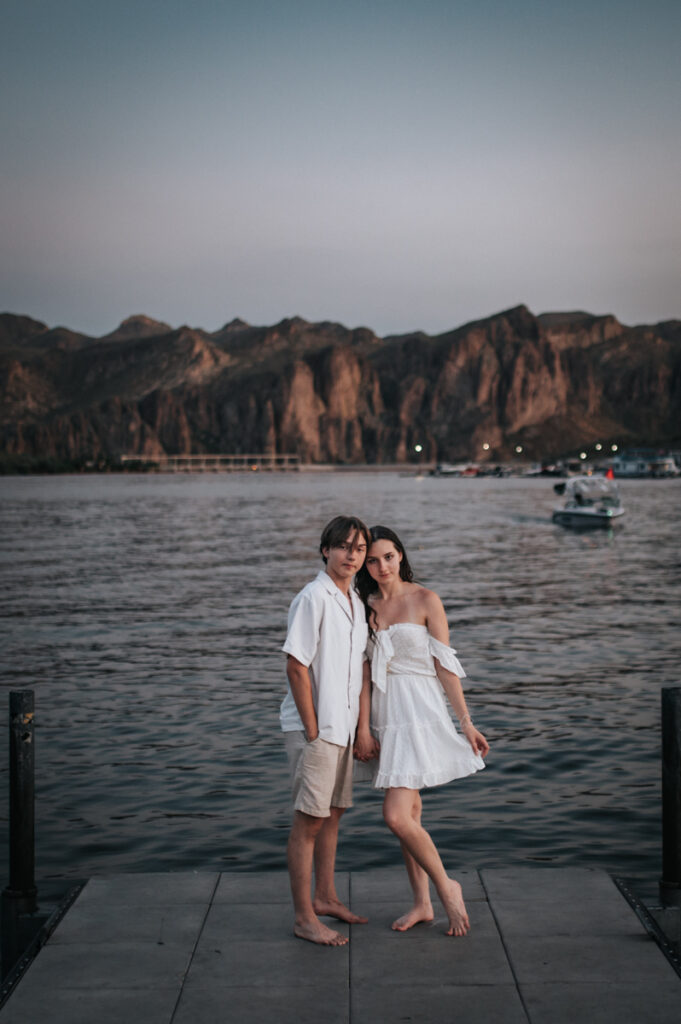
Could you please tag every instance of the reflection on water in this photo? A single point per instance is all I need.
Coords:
(148, 613)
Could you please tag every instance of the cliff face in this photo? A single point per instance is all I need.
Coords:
(551, 383)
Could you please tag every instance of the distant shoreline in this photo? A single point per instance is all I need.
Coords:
(17, 466)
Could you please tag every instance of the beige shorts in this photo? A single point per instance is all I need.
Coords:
(321, 774)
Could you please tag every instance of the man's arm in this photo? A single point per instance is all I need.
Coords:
(301, 688)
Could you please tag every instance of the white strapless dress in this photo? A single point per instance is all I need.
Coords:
(410, 715)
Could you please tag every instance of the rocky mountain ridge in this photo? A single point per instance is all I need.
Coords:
(550, 383)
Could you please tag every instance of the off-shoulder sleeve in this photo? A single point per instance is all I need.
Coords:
(446, 656)
(383, 651)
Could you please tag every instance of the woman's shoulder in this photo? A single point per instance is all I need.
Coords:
(427, 598)
(431, 608)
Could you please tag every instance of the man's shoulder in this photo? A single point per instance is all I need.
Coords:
(314, 591)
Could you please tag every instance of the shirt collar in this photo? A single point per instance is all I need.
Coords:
(332, 588)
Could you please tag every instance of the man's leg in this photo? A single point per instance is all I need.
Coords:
(326, 900)
(301, 850)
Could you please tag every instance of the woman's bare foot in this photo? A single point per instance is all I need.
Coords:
(418, 913)
(334, 908)
(453, 902)
(316, 931)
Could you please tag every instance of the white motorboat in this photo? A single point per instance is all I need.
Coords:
(590, 501)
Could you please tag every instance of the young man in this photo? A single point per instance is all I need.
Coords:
(327, 673)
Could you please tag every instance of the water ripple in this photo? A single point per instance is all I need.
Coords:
(148, 613)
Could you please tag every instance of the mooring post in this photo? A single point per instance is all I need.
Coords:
(21, 889)
(19, 898)
(670, 883)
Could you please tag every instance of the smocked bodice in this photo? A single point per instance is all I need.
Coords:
(406, 648)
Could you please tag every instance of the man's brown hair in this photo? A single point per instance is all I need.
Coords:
(338, 530)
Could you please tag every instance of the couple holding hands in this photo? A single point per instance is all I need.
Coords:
(368, 667)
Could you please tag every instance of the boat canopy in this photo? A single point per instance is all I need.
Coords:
(591, 488)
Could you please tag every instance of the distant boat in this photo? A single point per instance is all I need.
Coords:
(546, 469)
(590, 501)
(461, 469)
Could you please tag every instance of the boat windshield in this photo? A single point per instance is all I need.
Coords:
(591, 490)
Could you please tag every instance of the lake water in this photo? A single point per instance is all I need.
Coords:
(148, 612)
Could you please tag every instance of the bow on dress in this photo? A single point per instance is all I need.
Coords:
(383, 654)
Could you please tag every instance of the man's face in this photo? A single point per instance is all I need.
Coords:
(347, 559)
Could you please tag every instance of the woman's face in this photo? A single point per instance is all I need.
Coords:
(383, 561)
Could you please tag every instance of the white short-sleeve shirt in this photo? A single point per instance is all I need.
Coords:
(330, 640)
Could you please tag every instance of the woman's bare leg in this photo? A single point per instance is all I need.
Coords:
(398, 807)
(422, 909)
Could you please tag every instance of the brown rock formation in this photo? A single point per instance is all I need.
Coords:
(551, 383)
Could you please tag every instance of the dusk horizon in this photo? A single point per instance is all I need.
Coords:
(140, 316)
(404, 169)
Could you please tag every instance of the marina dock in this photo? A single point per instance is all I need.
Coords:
(546, 946)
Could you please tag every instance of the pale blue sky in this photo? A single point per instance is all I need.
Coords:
(398, 165)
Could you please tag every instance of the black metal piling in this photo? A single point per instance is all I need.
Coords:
(670, 883)
(22, 801)
(19, 898)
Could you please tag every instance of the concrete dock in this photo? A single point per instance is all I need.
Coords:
(547, 946)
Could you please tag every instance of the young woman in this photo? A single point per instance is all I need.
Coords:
(411, 665)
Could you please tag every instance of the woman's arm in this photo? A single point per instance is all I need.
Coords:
(366, 746)
(436, 620)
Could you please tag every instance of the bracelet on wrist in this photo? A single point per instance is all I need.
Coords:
(465, 721)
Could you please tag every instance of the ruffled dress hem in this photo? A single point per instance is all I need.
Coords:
(424, 780)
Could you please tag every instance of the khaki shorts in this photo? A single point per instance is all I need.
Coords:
(321, 774)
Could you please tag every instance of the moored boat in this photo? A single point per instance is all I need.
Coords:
(590, 501)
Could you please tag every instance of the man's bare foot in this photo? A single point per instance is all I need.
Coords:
(456, 909)
(316, 931)
(334, 908)
(418, 913)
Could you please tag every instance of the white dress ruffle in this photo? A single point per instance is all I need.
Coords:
(420, 746)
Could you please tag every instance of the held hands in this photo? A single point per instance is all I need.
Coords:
(366, 746)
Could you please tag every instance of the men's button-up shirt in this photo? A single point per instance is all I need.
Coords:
(330, 639)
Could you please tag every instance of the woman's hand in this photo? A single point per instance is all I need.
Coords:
(366, 746)
(477, 741)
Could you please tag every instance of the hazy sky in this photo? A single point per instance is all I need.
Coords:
(394, 164)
